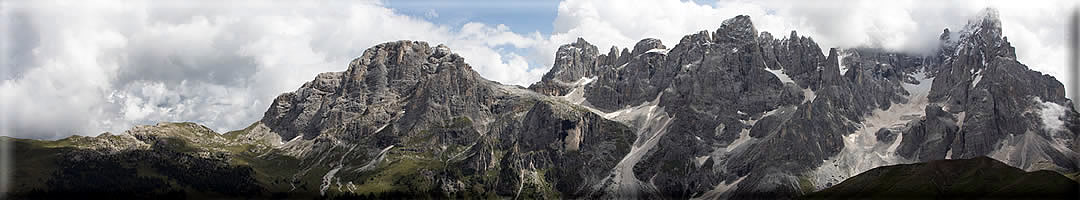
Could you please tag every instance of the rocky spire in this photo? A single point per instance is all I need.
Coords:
(982, 36)
(830, 74)
(573, 62)
(611, 58)
(799, 57)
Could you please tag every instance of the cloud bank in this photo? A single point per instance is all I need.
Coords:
(82, 68)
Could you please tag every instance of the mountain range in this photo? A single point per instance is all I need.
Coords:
(731, 113)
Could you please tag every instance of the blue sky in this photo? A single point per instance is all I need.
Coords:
(522, 16)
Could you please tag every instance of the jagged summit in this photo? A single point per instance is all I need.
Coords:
(372, 90)
(982, 36)
(735, 29)
(987, 18)
(830, 74)
(740, 23)
(568, 65)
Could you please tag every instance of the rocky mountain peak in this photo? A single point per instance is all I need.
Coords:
(830, 74)
(798, 57)
(736, 29)
(646, 45)
(988, 19)
(580, 42)
(982, 36)
(371, 92)
(573, 61)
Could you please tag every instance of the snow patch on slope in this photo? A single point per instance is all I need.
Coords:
(975, 82)
(688, 65)
(1051, 114)
(577, 95)
(659, 51)
(840, 59)
(1035, 149)
(780, 74)
(633, 116)
(808, 95)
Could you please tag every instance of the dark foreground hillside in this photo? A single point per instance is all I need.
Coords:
(976, 178)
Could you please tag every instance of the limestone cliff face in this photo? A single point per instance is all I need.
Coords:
(404, 86)
(1002, 107)
(776, 116)
(408, 95)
